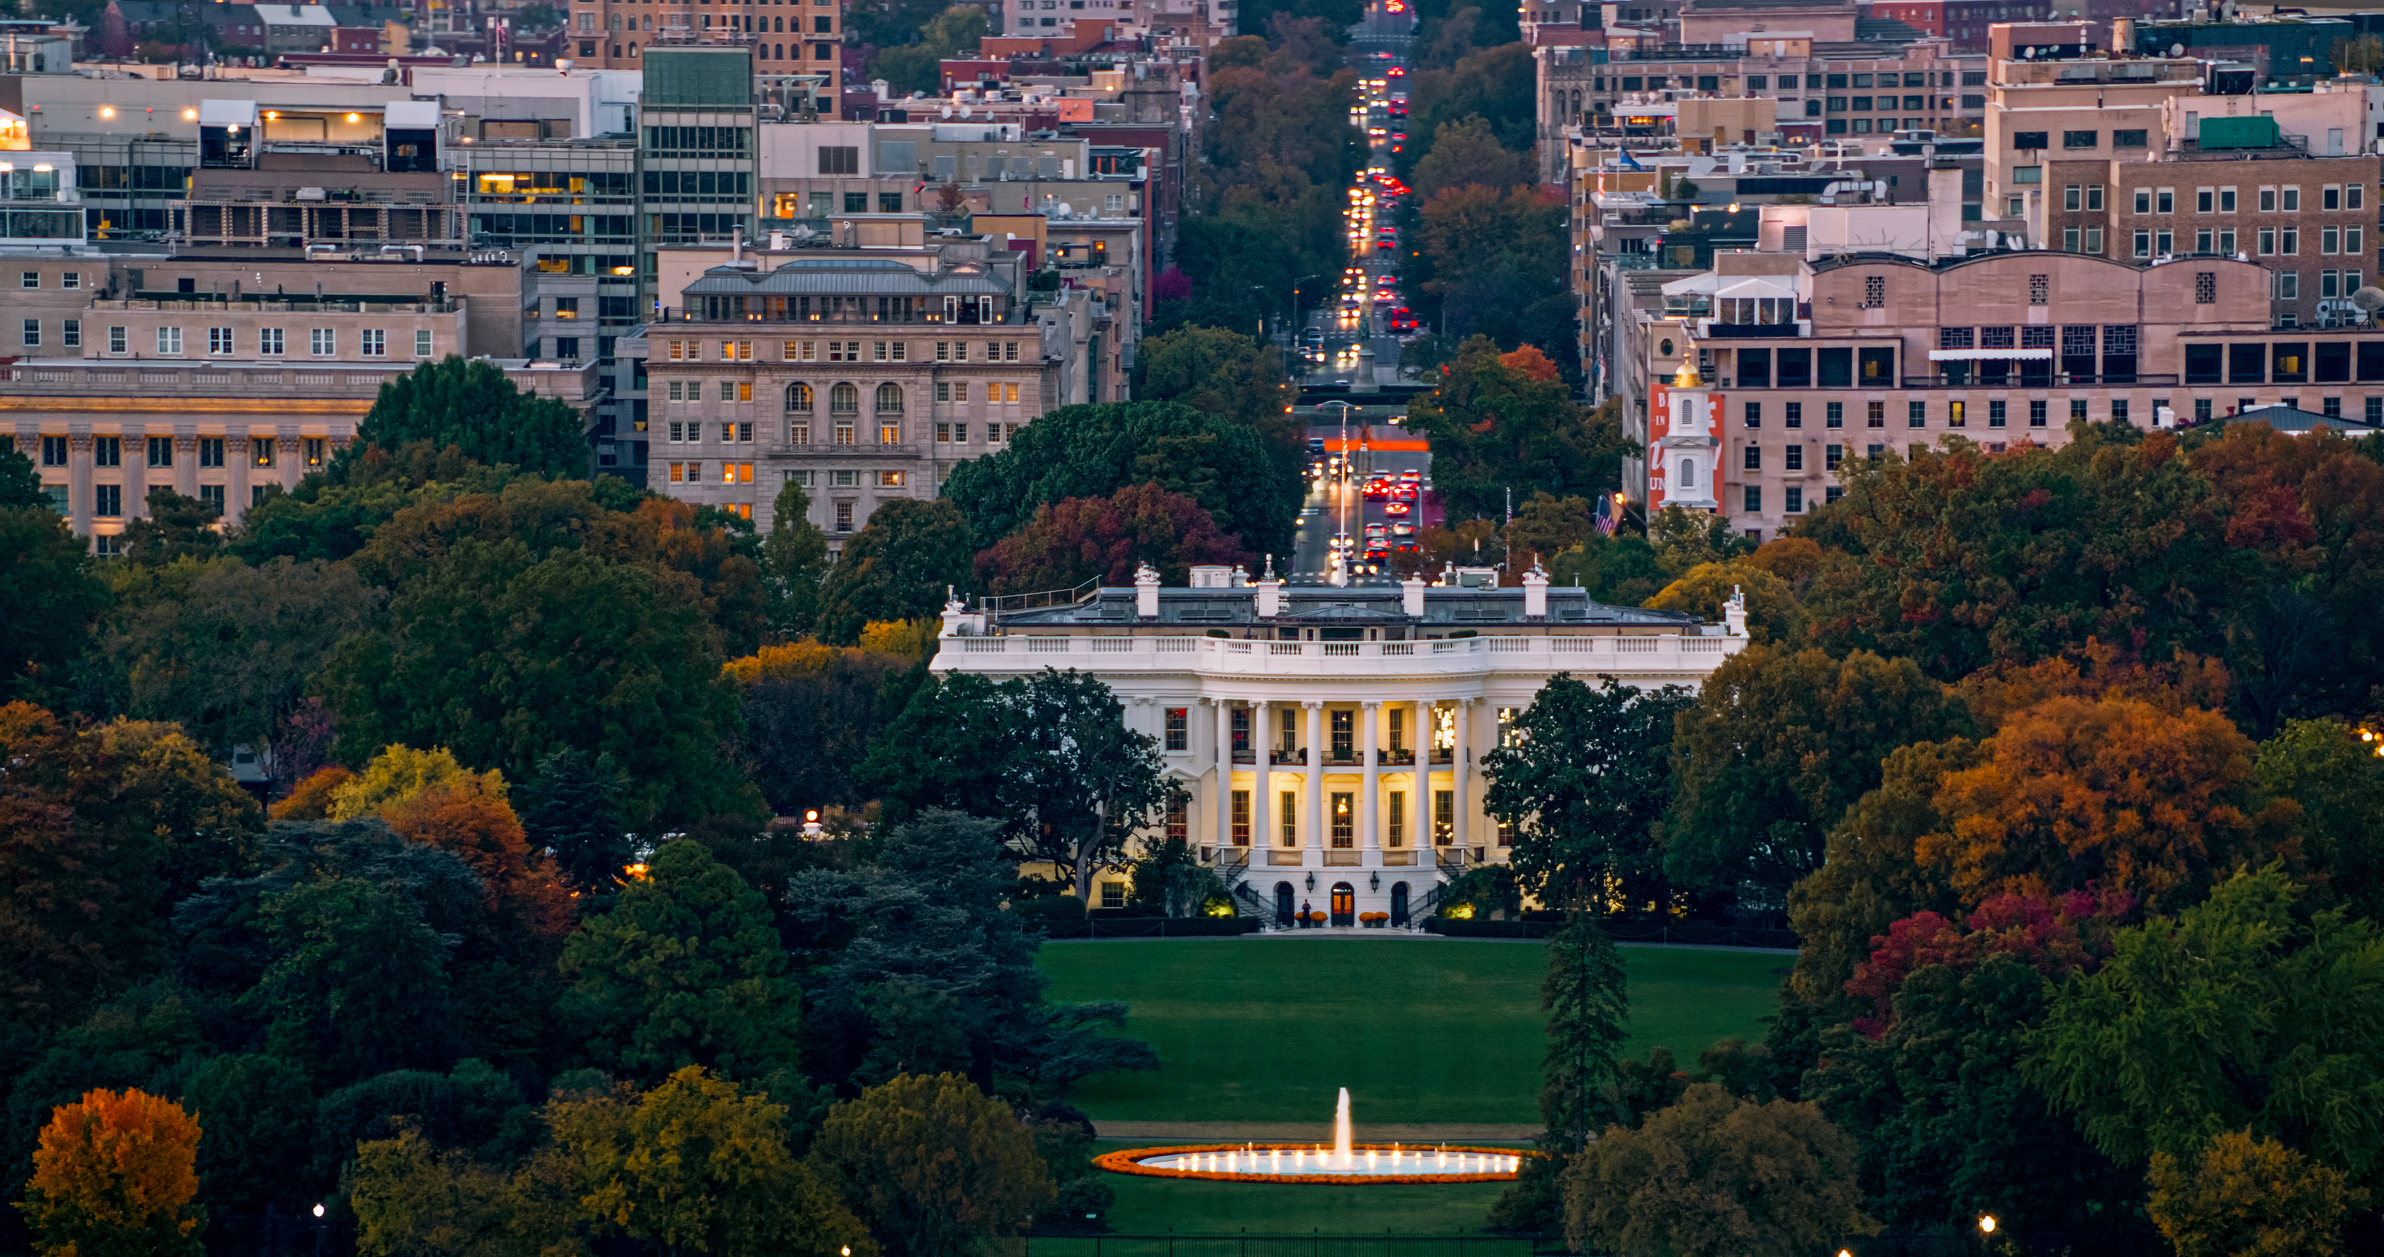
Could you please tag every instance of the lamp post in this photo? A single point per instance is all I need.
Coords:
(1291, 338)
(1341, 491)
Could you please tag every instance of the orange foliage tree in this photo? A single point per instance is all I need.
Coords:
(469, 817)
(2113, 792)
(115, 1176)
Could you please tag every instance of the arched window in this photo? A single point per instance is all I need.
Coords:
(798, 397)
(780, 55)
(1284, 905)
(889, 399)
(844, 399)
(1688, 475)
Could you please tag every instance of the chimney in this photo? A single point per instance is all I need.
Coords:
(1270, 592)
(1734, 613)
(1411, 597)
(1535, 594)
(1146, 592)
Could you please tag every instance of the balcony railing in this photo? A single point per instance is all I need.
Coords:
(2137, 379)
(1229, 656)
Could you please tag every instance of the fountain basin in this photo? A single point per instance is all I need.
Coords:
(1315, 1163)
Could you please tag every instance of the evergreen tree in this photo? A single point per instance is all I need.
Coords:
(794, 562)
(573, 807)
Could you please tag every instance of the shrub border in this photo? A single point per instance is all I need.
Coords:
(1128, 1161)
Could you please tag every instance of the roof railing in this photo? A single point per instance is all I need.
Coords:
(999, 603)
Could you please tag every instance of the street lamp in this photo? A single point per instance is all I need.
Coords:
(1342, 492)
(1986, 1224)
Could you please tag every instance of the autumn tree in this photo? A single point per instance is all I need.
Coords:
(1466, 151)
(1106, 539)
(1704, 590)
(1546, 526)
(1583, 780)
(684, 969)
(410, 1197)
(2115, 792)
(114, 1177)
(2245, 1196)
(813, 711)
(1777, 746)
(935, 1164)
(1716, 1176)
(697, 1164)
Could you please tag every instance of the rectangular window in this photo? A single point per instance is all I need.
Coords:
(212, 495)
(2036, 414)
(2080, 139)
(1793, 414)
(322, 342)
(1395, 834)
(1916, 414)
(2094, 198)
(70, 333)
(1344, 820)
(1956, 414)
(422, 342)
(29, 279)
(1241, 818)
(107, 451)
(219, 340)
(1831, 456)
(161, 451)
(2077, 410)
(32, 333)
(1753, 413)
(107, 500)
(1444, 817)
(2289, 241)
(1754, 458)
(211, 451)
(261, 452)
(1795, 505)
(2204, 200)
(53, 451)
(844, 517)
(1179, 818)
(1996, 413)
(1287, 833)
(1875, 414)
(269, 341)
(1179, 729)
(1752, 495)
(2226, 200)
(2292, 200)
(1113, 894)
(1794, 457)
(2164, 201)
(169, 340)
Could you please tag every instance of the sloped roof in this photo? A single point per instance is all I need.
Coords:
(846, 276)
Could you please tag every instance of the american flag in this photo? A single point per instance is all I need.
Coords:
(1609, 509)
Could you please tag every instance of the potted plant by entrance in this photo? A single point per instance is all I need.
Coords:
(1374, 920)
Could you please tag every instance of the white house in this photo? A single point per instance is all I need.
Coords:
(1329, 739)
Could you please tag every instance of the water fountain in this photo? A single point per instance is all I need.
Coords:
(1312, 1163)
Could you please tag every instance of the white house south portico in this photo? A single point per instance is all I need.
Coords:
(1328, 740)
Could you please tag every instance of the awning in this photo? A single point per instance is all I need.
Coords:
(1977, 355)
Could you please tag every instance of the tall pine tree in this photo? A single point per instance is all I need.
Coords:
(1587, 997)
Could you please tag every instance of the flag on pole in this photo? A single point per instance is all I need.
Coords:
(1607, 505)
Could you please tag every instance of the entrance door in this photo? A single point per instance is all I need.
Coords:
(1345, 904)
(1399, 903)
(1283, 905)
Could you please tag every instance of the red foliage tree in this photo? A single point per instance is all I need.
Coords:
(2054, 934)
(1076, 539)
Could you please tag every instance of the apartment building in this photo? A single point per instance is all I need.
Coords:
(1787, 374)
(223, 374)
(862, 370)
(799, 43)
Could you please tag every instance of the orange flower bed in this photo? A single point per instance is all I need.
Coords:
(1129, 1161)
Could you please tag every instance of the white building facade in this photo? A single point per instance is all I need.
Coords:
(1328, 741)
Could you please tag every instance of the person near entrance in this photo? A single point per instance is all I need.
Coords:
(1307, 917)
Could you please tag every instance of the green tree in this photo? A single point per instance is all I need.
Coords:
(1619, 570)
(1489, 262)
(1777, 746)
(48, 599)
(360, 983)
(1546, 526)
(1588, 1001)
(812, 713)
(256, 1113)
(903, 563)
(1500, 422)
(685, 969)
(1583, 780)
(1093, 451)
(20, 482)
(936, 1165)
(574, 807)
(1224, 373)
(1685, 540)
(2244, 1196)
(794, 562)
(506, 660)
(175, 527)
(410, 1198)
(1049, 756)
(114, 1178)
(2338, 779)
(1716, 1176)
(473, 407)
(913, 66)
(223, 648)
(2236, 1014)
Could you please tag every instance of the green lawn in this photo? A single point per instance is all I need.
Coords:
(1157, 1206)
(1448, 1031)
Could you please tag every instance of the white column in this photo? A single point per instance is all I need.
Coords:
(1262, 794)
(1419, 744)
(1222, 799)
(1369, 831)
(1459, 760)
(1315, 758)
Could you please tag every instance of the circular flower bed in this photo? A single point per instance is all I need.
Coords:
(1130, 1161)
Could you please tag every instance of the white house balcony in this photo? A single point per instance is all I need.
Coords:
(1231, 657)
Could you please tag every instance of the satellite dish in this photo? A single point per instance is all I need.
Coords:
(1067, 210)
(2368, 299)
(947, 111)
(2177, 50)
(964, 113)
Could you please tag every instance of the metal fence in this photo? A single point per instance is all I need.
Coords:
(1312, 1245)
